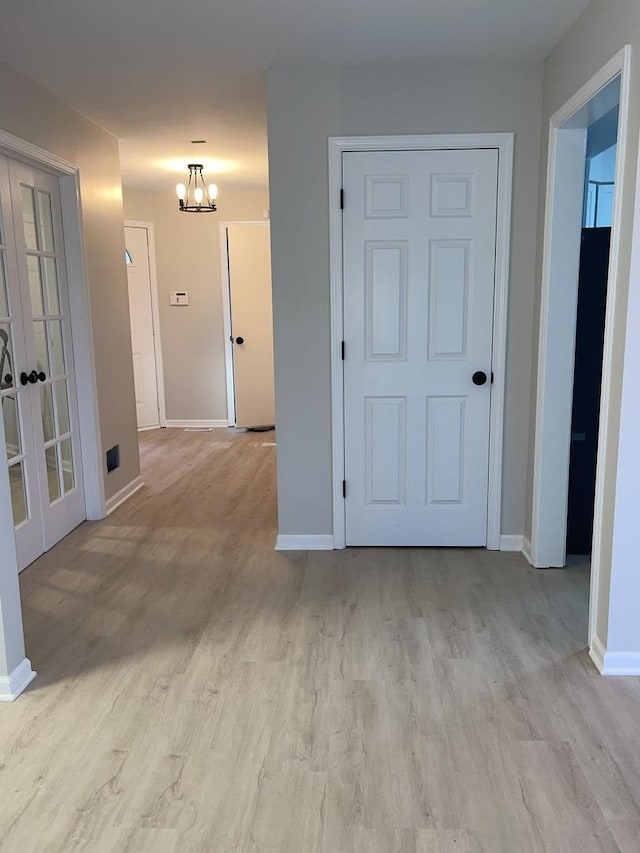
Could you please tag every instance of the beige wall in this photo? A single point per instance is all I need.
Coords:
(29, 112)
(188, 258)
(304, 109)
(604, 28)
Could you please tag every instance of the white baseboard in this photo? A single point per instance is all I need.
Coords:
(613, 663)
(203, 424)
(147, 428)
(120, 497)
(285, 542)
(621, 663)
(526, 550)
(511, 542)
(11, 686)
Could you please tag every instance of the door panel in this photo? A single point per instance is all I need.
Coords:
(449, 299)
(419, 231)
(445, 450)
(249, 254)
(142, 327)
(386, 468)
(386, 300)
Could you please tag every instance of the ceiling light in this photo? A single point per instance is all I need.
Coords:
(196, 196)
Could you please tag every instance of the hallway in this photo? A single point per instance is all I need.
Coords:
(198, 691)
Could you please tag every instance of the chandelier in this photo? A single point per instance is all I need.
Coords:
(196, 196)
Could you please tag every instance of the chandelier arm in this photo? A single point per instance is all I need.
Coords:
(190, 188)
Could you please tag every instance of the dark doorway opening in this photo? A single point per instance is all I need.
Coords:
(590, 320)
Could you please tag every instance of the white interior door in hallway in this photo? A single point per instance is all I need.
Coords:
(143, 326)
(419, 232)
(37, 382)
(249, 268)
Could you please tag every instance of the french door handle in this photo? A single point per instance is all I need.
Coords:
(31, 378)
(42, 376)
(479, 377)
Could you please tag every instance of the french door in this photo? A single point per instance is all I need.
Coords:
(419, 231)
(37, 381)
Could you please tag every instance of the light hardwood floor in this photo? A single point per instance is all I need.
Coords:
(199, 692)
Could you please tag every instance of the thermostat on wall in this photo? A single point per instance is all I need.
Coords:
(178, 297)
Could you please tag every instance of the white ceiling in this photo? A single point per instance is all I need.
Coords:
(158, 73)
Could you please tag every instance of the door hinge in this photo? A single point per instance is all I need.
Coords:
(342, 350)
(344, 488)
(341, 199)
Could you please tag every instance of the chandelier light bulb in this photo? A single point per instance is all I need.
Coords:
(198, 195)
(213, 191)
(182, 191)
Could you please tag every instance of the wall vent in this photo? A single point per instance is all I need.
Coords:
(113, 458)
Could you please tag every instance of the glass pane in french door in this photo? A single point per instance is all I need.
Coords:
(50, 340)
(12, 439)
(4, 302)
(9, 400)
(18, 494)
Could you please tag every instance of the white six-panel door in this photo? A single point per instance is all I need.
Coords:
(419, 231)
(142, 327)
(249, 265)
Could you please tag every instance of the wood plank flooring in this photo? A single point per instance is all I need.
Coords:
(199, 692)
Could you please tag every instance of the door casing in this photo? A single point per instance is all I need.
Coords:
(560, 267)
(503, 143)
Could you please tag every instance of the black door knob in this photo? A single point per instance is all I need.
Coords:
(479, 377)
(8, 380)
(239, 340)
(31, 378)
(42, 376)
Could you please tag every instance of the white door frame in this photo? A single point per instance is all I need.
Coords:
(155, 314)
(503, 143)
(79, 297)
(560, 271)
(226, 312)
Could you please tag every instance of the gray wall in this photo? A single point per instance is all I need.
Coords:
(28, 111)
(604, 28)
(188, 258)
(304, 109)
